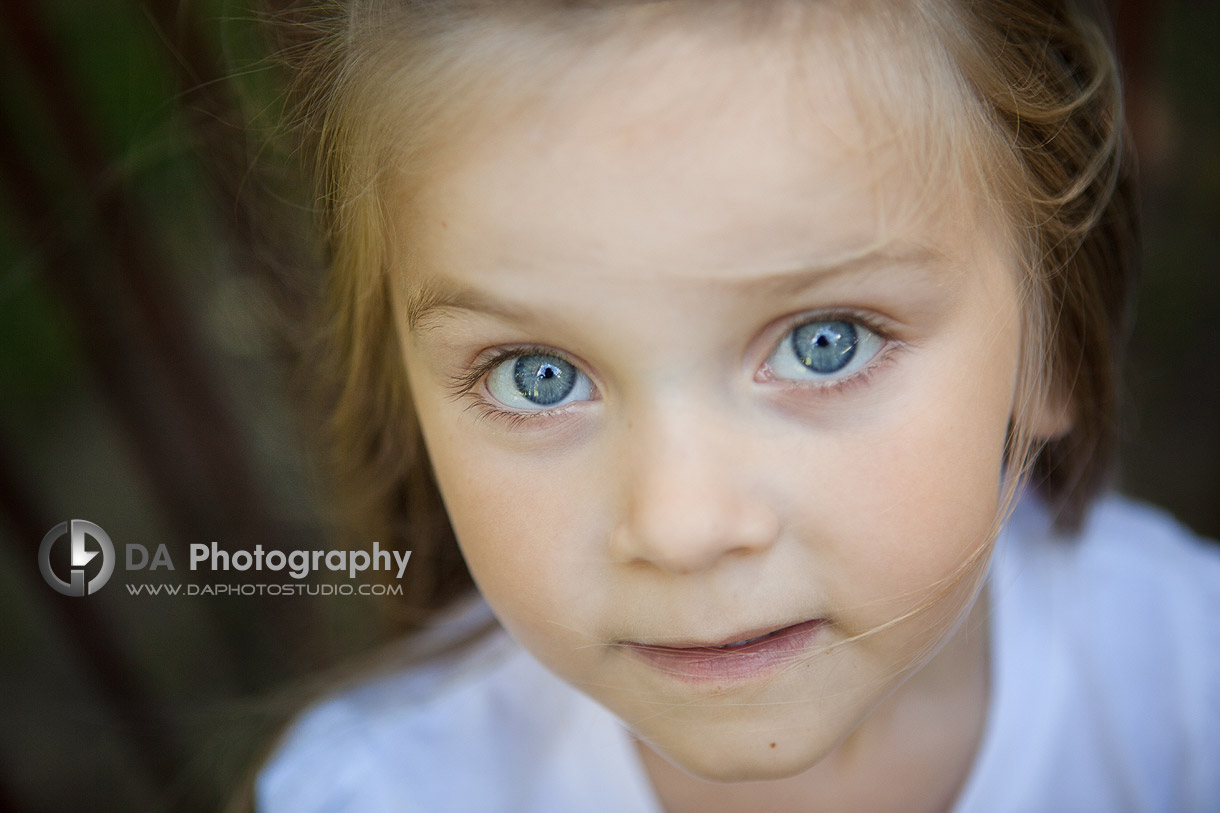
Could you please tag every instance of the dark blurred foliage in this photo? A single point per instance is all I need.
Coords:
(154, 264)
(154, 260)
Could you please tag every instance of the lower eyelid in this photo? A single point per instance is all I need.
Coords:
(490, 409)
(884, 357)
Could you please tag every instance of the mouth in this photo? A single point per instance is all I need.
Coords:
(745, 655)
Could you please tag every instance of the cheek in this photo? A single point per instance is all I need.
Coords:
(925, 484)
(524, 527)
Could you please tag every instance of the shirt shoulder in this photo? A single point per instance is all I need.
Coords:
(487, 729)
(1139, 589)
(1106, 666)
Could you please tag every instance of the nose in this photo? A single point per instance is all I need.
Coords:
(690, 498)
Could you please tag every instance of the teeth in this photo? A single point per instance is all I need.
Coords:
(743, 643)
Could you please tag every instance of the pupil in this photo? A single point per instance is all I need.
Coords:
(544, 379)
(825, 347)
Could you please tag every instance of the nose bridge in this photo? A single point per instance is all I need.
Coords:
(689, 496)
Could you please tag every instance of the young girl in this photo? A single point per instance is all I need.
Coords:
(764, 355)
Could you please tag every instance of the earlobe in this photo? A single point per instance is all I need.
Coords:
(1054, 417)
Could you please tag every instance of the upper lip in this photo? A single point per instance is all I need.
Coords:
(693, 643)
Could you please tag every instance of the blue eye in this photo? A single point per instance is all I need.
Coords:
(538, 381)
(824, 349)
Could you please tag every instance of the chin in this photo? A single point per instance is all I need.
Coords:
(752, 760)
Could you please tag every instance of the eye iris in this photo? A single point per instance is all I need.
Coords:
(825, 347)
(544, 379)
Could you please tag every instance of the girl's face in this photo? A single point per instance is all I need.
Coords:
(698, 360)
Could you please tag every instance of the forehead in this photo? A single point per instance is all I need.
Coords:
(688, 150)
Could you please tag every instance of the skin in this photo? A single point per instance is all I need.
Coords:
(697, 493)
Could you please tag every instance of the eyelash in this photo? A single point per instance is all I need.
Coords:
(463, 385)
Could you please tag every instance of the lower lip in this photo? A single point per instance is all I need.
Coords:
(703, 663)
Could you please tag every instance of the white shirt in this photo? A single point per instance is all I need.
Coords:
(1105, 696)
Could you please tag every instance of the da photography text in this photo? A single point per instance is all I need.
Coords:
(298, 563)
(88, 558)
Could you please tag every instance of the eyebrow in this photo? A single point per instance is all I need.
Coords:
(431, 299)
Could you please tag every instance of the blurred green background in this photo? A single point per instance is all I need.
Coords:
(150, 273)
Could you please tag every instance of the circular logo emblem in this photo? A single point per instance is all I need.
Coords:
(77, 530)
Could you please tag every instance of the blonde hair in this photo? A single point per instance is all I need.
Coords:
(383, 84)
